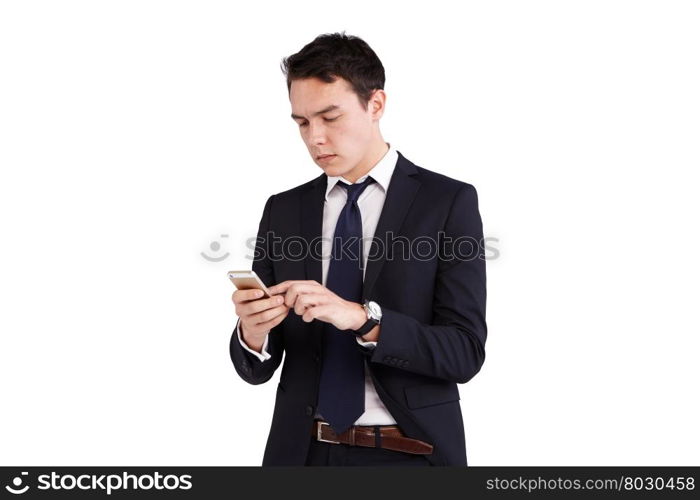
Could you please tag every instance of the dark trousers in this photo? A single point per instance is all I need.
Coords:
(324, 454)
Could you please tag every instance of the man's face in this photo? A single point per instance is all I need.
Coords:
(332, 122)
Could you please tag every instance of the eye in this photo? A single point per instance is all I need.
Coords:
(304, 124)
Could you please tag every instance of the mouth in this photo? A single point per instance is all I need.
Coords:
(325, 158)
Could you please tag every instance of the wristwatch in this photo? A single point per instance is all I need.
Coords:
(374, 317)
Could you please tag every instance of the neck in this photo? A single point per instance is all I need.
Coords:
(375, 154)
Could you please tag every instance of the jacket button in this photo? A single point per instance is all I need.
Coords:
(309, 410)
(317, 358)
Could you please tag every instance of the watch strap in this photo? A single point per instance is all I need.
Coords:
(369, 324)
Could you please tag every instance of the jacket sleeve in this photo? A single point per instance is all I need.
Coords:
(249, 367)
(452, 346)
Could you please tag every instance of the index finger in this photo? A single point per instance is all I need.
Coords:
(282, 287)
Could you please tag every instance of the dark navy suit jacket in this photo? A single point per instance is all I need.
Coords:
(433, 329)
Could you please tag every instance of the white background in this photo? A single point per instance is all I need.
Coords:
(135, 134)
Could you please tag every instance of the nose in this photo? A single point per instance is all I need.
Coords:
(317, 133)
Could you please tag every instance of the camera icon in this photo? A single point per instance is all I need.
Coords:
(215, 246)
(17, 483)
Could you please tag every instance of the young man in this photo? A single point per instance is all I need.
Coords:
(378, 283)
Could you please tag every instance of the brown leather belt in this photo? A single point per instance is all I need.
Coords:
(390, 437)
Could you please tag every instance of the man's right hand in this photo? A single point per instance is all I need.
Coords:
(258, 315)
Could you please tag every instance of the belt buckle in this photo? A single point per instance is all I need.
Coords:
(319, 430)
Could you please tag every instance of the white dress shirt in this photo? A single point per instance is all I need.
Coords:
(370, 202)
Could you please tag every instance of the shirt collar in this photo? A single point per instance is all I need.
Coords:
(381, 172)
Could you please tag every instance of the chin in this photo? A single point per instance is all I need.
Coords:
(333, 171)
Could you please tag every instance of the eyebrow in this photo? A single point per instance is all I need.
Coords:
(332, 107)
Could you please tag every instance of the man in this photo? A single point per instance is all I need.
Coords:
(376, 339)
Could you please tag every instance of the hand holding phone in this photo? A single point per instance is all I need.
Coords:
(258, 313)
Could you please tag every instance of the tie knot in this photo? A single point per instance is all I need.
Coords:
(355, 190)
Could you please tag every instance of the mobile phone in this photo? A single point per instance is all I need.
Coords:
(246, 280)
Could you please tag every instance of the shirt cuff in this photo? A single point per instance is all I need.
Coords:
(371, 344)
(262, 356)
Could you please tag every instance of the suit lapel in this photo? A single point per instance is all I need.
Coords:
(312, 225)
(402, 189)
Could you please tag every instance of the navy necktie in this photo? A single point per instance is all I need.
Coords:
(342, 388)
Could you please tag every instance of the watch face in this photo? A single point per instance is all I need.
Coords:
(374, 309)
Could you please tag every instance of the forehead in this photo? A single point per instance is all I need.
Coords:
(309, 95)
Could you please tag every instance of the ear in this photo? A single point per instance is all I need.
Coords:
(377, 103)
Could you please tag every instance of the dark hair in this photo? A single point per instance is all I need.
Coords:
(333, 55)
